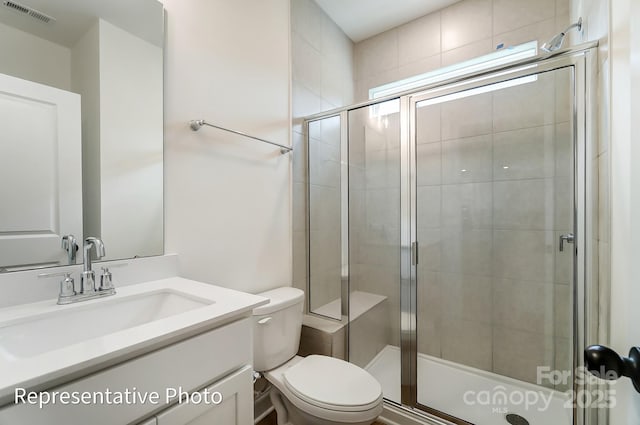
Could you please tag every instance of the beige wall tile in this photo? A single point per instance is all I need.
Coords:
(524, 204)
(304, 101)
(324, 164)
(563, 307)
(299, 161)
(467, 251)
(510, 113)
(420, 66)
(306, 20)
(524, 254)
(299, 207)
(563, 262)
(300, 261)
(369, 334)
(563, 204)
(429, 201)
(468, 51)
(466, 297)
(518, 354)
(564, 95)
(324, 206)
(430, 251)
(564, 150)
(563, 7)
(429, 161)
(307, 67)
(524, 305)
(564, 361)
(467, 160)
(383, 208)
(466, 206)
(377, 54)
(429, 304)
(469, 116)
(540, 31)
(382, 168)
(465, 22)
(524, 154)
(428, 124)
(419, 39)
(511, 14)
(468, 343)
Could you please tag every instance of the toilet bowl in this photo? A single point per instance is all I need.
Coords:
(313, 390)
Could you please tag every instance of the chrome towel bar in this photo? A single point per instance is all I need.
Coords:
(196, 124)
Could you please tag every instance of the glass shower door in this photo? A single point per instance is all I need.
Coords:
(494, 196)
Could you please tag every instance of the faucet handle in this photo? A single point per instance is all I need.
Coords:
(67, 285)
(106, 280)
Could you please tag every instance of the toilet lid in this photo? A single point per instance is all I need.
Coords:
(333, 384)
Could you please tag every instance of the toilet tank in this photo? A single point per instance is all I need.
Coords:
(276, 328)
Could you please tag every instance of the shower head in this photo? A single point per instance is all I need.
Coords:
(556, 42)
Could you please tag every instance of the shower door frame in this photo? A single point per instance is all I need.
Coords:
(584, 290)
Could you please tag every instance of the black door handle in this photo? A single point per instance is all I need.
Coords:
(605, 363)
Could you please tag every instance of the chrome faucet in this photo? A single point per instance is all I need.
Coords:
(88, 276)
(70, 244)
(88, 288)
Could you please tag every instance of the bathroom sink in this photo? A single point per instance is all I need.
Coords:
(44, 344)
(48, 331)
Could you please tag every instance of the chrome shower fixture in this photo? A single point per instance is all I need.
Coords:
(556, 42)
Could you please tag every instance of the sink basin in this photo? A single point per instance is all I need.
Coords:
(43, 345)
(76, 323)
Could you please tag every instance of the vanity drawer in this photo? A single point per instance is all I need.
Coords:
(188, 364)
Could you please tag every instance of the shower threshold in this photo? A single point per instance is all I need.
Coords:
(472, 394)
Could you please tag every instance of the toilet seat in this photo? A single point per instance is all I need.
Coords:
(334, 411)
(333, 384)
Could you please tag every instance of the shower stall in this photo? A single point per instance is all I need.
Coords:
(449, 229)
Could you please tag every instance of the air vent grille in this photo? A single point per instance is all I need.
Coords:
(26, 10)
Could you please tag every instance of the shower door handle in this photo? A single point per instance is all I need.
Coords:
(414, 254)
(568, 238)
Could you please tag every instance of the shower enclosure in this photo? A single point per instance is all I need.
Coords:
(449, 228)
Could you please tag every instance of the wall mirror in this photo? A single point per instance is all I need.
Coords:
(81, 112)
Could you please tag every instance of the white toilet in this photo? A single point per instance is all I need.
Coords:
(313, 390)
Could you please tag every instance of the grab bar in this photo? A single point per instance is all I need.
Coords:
(196, 124)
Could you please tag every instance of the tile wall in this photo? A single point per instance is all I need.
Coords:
(495, 282)
(322, 63)
(493, 198)
(490, 277)
(459, 32)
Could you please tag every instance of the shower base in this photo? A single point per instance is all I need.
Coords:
(467, 393)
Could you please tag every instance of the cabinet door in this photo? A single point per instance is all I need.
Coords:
(235, 405)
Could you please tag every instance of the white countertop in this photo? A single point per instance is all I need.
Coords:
(54, 367)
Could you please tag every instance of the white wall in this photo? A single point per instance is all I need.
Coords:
(227, 198)
(35, 59)
(625, 196)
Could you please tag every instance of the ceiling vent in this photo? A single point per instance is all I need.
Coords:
(26, 10)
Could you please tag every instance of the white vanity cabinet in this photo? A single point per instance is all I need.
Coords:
(217, 360)
(235, 408)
